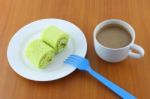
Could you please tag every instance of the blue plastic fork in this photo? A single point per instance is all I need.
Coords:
(83, 64)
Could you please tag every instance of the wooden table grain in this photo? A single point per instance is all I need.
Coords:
(131, 74)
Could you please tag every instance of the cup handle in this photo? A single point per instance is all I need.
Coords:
(139, 49)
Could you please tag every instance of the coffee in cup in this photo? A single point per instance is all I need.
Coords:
(113, 36)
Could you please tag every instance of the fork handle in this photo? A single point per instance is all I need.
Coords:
(115, 88)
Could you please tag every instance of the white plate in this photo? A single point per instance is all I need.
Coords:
(56, 69)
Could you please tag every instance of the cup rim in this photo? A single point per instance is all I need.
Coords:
(115, 21)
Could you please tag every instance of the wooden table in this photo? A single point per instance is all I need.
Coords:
(131, 74)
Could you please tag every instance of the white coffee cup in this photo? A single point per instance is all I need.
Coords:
(117, 54)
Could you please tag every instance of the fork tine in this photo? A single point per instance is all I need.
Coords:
(74, 60)
(75, 57)
(70, 62)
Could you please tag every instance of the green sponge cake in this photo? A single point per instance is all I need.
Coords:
(39, 53)
(55, 37)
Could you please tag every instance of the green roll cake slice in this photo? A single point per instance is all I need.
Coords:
(39, 53)
(55, 37)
